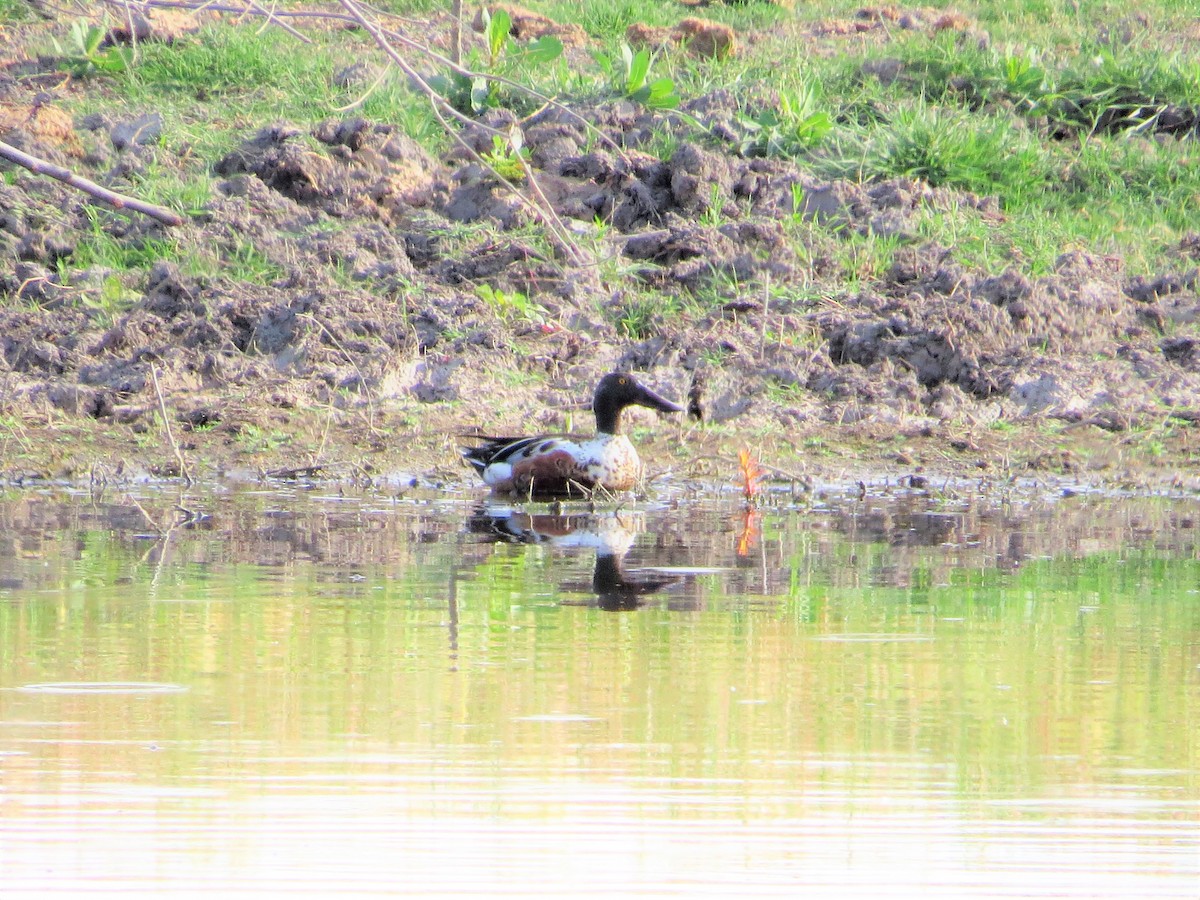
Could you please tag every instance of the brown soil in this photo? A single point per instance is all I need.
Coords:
(370, 346)
(529, 26)
(700, 37)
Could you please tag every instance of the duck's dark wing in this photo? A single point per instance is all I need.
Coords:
(526, 528)
(500, 449)
(507, 527)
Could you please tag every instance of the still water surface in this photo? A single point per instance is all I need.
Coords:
(306, 692)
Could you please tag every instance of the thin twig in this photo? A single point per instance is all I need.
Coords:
(251, 8)
(66, 176)
(272, 17)
(762, 329)
(129, 24)
(456, 11)
(320, 454)
(161, 564)
(383, 73)
(162, 407)
(145, 515)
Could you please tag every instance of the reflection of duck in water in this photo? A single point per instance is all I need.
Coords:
(609, 534)
(551, 466)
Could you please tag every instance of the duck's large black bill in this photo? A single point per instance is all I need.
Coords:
(646, 397)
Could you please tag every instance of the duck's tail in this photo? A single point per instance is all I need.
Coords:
(493, 449)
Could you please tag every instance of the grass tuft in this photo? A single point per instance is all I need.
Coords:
(982, 154)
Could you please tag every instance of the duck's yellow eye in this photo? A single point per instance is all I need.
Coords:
(621, 381)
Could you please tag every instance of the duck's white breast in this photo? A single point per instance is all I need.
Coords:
(611, 460)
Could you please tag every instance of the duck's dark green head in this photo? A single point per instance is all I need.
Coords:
(619, 390)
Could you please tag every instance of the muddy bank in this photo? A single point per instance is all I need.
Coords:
(339, 268)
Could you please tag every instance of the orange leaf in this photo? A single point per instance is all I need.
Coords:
(751, 532)
(751, 473)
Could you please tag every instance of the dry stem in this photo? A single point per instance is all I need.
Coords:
(162, 407)
(66, 176)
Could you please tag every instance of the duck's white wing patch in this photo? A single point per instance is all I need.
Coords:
(497, 472)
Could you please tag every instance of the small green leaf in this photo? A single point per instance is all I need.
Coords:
(638, 68)
(627, 56)
(659, 94)
(543, 50)
(480, 94)
(498, 26)
(114, 61)
(662, 94)
(95, 35)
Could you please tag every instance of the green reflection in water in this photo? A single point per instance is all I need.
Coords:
(864, 650)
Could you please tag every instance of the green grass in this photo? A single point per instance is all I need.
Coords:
(237, 260)
(785, 393)
(981, 154)
(1053, 118)
(14, 11)
(512, 306)
(641, 315)
(241, 63)
(864, 258)
(254, 439)
(394, 103)
(217, 87)
(1096, 86)
(245, 262)
(113, 264)
(103, 250)
(608, 19)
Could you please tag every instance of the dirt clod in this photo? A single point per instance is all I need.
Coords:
(529, 26)
(701, 37)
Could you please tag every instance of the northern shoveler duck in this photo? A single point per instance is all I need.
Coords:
(553, 465)
(611, 535)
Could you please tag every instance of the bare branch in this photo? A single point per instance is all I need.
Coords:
(456, 12)
(162, 408)
(247, 7)
(66, 176)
